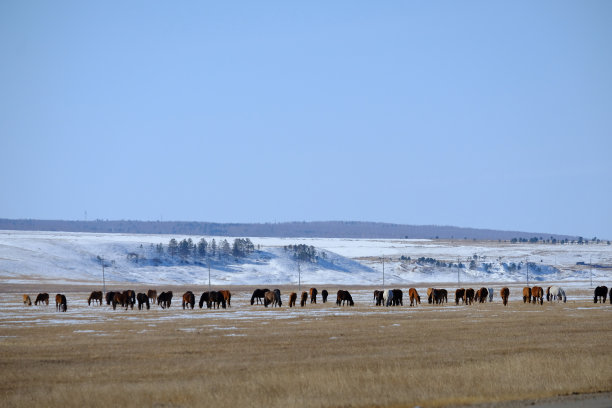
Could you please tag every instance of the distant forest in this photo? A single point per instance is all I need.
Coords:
(319, 229)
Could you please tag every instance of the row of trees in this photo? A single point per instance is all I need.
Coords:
(551, 240)
(304, 253)
(188, 250)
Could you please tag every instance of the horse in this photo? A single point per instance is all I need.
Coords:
(44, 298)
(143, 299)
(430, 292)
(469, 296)
(439, 296)
(483, 294)
(344, 296)
(313, 295)
(217, 300)
(537, 294)
(387, 297)
(165, 299)
(548, 294)
(152, 295)
(109, 297)
(460, 295)
(490, 294)
(60, 303)
(378, 297)
(188, 299)
(414, 296)
(120, 299)
(526, 294)
(205, 298)
(556, 293)
(277, 298)
(96, 295)
(292, 299)
(27, 300)
(131, 297)
(505, 295)
(398, 297)
(258, 295)
(272, 298)
(601, 292)
(304, 298)
(324, 295)
(227, 297)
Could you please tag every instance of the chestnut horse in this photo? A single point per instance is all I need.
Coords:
(526, 294)
(505, 295)
(227, 297)
(313, 295)
(430, 298)
(344, 296)
(537, 294)
(292, 299)
(324, 295)
(152, 295)
(44, 298)
(304, 298)
(460, 295)
(27, 300)
(60, 303)
(96, 295)
(188, 299)
(601, 292)
(142, 301)
(414, 296)
(258, 295)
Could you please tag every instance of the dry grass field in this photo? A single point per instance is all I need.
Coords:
(317, 356)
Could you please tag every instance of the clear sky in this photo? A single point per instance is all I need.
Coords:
(485, 114)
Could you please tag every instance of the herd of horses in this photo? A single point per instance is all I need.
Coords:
(388, 297)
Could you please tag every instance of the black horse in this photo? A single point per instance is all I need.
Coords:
(165, 299)
(258, 295)
(143, 299)
(601, 292)
(324, 295)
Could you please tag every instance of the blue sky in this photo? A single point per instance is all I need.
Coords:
(485, 114)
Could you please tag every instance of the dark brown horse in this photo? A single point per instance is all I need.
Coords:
(344, 296)
(109, 297)
(60, 303)
(313, 295)
(600, 294)
(130, 297)
(258, 295)
(42, 298)
(152, 295)
(217, 300)
(537, 294)
(469, 296)
(96, 295)
(440, 296)
(165, 299)
(143, 300)
(273, 298)
(460, 295)
(292, 299)
(188, 299)
(120, 299)
(378, 297)
(398, 296)
(414, 296)
(304, 299)
(505, 295)
(526, 294)
(481, 295)
(324, 295)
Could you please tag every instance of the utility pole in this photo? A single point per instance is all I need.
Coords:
(591, 268)
(299, 279)
(209, 290)
(383, 264)
(458, 274)
(527, 266)
(103, 279)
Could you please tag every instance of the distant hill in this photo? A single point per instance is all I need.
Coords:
(317, 229)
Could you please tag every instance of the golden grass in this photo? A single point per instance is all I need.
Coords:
(316, 356)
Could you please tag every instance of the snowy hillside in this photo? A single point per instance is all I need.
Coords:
(58, 257)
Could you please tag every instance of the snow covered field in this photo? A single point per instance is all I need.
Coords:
(76, 258)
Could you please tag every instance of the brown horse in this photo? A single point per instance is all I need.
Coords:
(227, 297)
(481, 295)
(130, 297)
(469, 296)
(505, 295)
(526, 294)
(537, 294)
(143, 299)
(152, 295)
(27, 300)
(60, 303)
(344, 296)
(430, 292)
(96, 296)
(292, 299)
(460, 295)
(304, 298)
(42, 298)
(120, 299)
(600, 294)
(414, 297)
(272, 298)
(188, 299)
(313, 295)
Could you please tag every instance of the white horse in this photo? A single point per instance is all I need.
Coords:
(388, 297)
(490, 294)
(557, 292)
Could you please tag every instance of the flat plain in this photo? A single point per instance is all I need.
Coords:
(317, 356)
